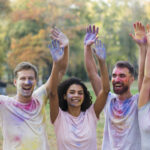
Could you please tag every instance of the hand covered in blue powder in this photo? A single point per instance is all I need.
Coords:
(55, 50)
(100, 49)
(91, 35)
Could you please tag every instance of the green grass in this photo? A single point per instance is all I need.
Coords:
(50, 129)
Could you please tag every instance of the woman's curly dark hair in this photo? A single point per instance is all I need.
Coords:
(62, 90)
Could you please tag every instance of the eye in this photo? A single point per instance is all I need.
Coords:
(23, 78)
(80, 93)
(71, 92)
(122, 75)
(114, 75)
(31, 78)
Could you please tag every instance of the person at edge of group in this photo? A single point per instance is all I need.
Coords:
(71, 110)
(144, 97)
(121, 129)
(22, 117)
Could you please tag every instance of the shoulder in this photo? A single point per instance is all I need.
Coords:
(60, 117)
(4, 98)
(111, 96)
(136, 96)
(40, 90)
(40, 94)
(145, 108)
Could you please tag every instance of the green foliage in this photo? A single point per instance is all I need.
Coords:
(24, 27)
(4, 7)
(31, 21)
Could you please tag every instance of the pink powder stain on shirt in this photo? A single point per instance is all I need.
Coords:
(1, 102)
(30, 106)
(17, 138)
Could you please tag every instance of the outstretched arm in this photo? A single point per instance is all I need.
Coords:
(145, 89)
(90, 37)
(103, 93)
(59, 52)
(140, 38)
(59, 48)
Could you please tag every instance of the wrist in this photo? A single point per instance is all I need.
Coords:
(88, 47)
(142, 46)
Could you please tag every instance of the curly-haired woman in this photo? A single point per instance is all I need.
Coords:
(71, 110)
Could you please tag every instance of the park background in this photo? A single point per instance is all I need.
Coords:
(24, 36)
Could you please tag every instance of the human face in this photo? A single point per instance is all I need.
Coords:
(75, 95)
(25, 83)
(121, 80)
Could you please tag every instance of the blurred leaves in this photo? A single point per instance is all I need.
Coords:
(25, 29)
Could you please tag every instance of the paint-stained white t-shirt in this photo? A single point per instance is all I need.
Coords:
(76, 133)
(121, 130)
(23, 124)
(144, 124)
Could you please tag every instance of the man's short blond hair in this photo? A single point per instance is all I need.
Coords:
(25, 66)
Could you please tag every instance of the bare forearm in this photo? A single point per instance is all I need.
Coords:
(92, 70)
(104, 76)
(64, 61)
(142, 57)
(54, 81)
(89, 61)
(145, 88)
(147, 65)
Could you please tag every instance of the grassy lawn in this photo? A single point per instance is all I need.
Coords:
(50, 129)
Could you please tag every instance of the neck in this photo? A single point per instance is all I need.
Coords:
(23, 99)
(74, 111)
(124, 96)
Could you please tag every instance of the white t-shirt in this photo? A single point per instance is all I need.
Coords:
(23, 125)
(144, 124)
(76, 133)
(121, 131)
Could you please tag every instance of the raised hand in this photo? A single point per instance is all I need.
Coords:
(100, 49)
(140, 35)
(91, 35)
(56, 34)
(56, 51)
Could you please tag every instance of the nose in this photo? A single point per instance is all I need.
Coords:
(76, 94)
(116, 79)
(28, 82)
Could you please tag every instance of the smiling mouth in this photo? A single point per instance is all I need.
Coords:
(27, 88)
(75, 100)
(117, 85)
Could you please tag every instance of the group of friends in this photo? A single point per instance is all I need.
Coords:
(72, 113)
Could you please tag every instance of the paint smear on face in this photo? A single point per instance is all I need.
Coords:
(69, 96)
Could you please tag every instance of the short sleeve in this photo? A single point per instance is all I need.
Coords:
(56, 122)
(144, 109)
(110, 96)
(41, 94)
(92, 112)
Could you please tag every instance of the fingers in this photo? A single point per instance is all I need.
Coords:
(97, 30)
(55, 32)
(138, 26)
(92, 29)
(131, 35)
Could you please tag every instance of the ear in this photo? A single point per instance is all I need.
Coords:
(15, 82)
(132, 79)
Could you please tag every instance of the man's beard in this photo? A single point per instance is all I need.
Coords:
(122, 91)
